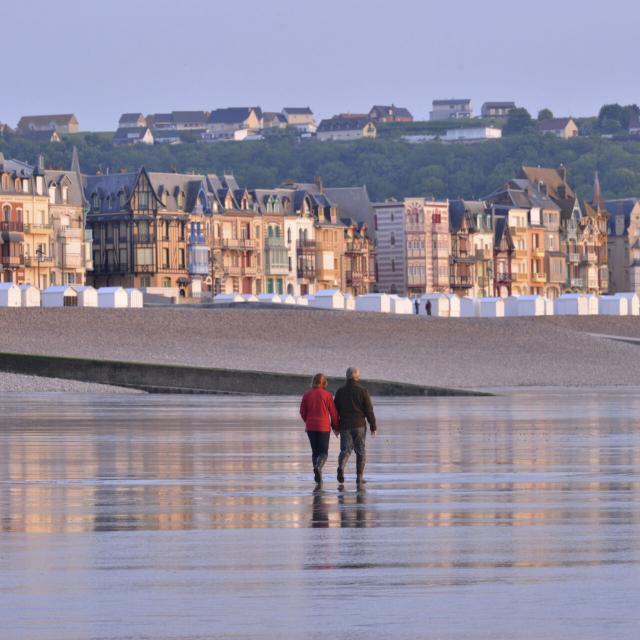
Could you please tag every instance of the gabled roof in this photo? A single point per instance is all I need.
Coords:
(129, 134)
(130, 118)
(620, 207)
(381, 111)
(58, 120)
(338, 123)
(270, 116)
(298, 111)
(50, 135)
(72, 178)
(352, 202)
(498, 105)
(554, 124)
(184, 117)
(456, 101)
(232, 115)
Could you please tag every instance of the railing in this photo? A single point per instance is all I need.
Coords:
(520, 254)
(30, 227)
(146, 239)
(71, 232)
(577, 282)
(354, 277)
(11, 261)
(12, 226)
(503, 277)
(538, 277)
(574, 257)
(234, 243)
(461, 282)
(355, 247)
(589, 257)
(304, 246)
(32, 261)
(522, 277)
(538, 253)
(307, 272)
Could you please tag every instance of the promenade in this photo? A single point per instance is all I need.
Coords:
(462, 353)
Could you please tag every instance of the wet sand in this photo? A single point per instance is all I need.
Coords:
(461, 353)
(171, 518)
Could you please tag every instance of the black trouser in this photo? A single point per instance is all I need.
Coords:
(351, 439)
(319, 441)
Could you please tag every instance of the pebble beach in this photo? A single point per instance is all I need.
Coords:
(462, 353)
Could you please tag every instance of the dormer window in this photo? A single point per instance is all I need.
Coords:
(163, 198)
(109, 202)
(180, 200)
(52, 194)
(5, 182)
(143, 200)
(17, 184)
(122, 199)
(95, 201)
(65, 194)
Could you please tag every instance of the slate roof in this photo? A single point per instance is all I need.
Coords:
(344, 123)
(232, 115)
(76, 194)
(382, 111)
(353, 202)
(130, 118)
(63, 120)
(624, 207)
(457, 101)
(128, 135)
(554, 124)
(190, 117)
(50, 135)
(298, 110)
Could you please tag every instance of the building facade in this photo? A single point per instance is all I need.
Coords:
(391, 247)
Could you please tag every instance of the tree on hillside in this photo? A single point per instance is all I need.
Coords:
(545, 114)
(614, 118)
(518, 122)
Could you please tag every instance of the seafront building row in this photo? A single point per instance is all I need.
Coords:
(187, 234)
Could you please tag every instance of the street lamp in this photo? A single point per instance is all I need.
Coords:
(39, 255)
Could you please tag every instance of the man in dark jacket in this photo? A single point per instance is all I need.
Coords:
(354, 407)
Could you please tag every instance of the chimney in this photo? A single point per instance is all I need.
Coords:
(40, 165)
(562, 170)
(318, 182)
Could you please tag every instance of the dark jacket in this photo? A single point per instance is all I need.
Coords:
(354, 406)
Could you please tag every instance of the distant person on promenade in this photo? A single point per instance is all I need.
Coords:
(355, 409)
(417, 306)
(320, 416)
(428, 307)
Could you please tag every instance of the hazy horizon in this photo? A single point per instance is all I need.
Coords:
(338, 57)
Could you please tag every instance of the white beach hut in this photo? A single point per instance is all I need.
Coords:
(59, 296)
(225, 298)
(613, 306)
(491, 307)
(377, 302)
(469, 307)
(30, 295)
(532, 306)
(592, 304)
(454, 305)
(271, 298)
(112, 298)
(548, 306)
(301, 301)
(309, 298)
(349, 302)
(439, 305)
(288, 299)
(328, 299)
(571, 304)
(633, 302)
(10, 295)
(249, 297)
(134, 298)
(87, 296)
(401, 305)
(511, 309)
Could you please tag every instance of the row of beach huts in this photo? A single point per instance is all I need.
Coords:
(451, 306)
(26, 295)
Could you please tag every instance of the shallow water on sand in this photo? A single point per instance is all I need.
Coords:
(177, 517)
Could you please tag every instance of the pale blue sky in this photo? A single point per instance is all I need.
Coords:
(98, 59)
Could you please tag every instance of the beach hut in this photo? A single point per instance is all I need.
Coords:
(134, 298)
(328, 299)
(112, 298)
(249, 297)
(613, 306)
(59, 296)
(532, 306)
(511, 309)
(401, 305)
(633, 302)
(226, 298)
(469, 307)
(439, 305)
(377, 302)
(592, 304)
(10, 295)
(288, 299)
(571, 304)
(302, 301)
(454, 305)
(30, 295)
(491, 307)
(349, 302)
(87, 296)
(548, 307)
(270, 298)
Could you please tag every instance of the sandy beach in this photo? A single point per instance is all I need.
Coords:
(464, 353)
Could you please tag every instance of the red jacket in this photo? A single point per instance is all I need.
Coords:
(318, 410)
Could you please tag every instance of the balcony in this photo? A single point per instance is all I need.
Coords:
(522, 277)
(306, 246)
(37, 228)
(503, 278)
(234, 244)
(461, 282)
(44, 261)
(578, 283)
(146, 239)
(354, 277)
(355, 248)
(520, 254)
(589, 258)
(18, 227)
(538, 277)
(574, 257)
(73, 233)
(307, 272)
(463, 257)
(12, 261)
(232, 270)
(538, 253)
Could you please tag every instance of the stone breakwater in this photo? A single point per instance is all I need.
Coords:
(462, 353)
(16, 383)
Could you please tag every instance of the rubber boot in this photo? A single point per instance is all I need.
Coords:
(340, 475)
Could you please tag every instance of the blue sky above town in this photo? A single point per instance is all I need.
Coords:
(100, 59)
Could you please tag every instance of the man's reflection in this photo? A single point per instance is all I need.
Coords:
(320, 511)
(353, 509)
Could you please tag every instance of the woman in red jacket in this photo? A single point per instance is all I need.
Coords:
(320, 415)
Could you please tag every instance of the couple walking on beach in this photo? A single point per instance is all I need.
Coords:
(346, 414)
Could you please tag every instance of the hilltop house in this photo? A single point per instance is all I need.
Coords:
(450, 109)
(46, 137)
(226, 121)
(561, 127)
(133, 135)
(66, 123)
(346, 127)
(300, 118)
(273, 120)
(497, 109)
(634, 125)
(189, 120)
(129, 120)
(382, 113)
